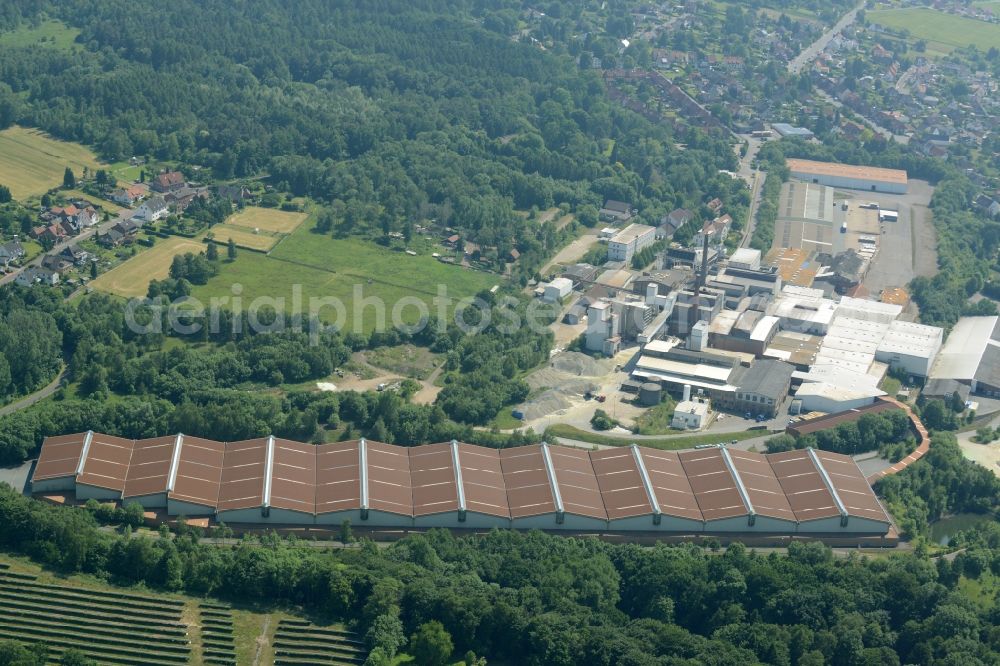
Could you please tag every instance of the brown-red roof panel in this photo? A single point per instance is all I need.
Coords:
(107, 461)
(622, 489)
(199, 471)
(851, 486)
(670, 484)
(433, 481)
(482, 480)
(338, 485)
(762, 486)
(243, 471)
(389, 478)
(293, 476)
(59, 456)
(714, 487)
(578, 487)
(528, 490)
(149, 469)
(803, 486)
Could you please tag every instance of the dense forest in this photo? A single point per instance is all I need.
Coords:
(546, 600)
(217, 385)
(393, 113)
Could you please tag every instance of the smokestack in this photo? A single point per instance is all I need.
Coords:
(687, 392)
(703, 274)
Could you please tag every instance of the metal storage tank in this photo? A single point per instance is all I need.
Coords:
(650, 393)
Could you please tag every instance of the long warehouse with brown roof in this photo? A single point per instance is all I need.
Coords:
(272, 481)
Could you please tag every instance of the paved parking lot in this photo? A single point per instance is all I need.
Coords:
(908, 247)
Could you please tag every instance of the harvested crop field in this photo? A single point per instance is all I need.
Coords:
(267, 219)
(244, 237)
(131, 279)
(32, 162)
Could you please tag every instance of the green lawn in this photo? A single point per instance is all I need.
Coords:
(669, 443)
(324, 267)
(51, 34)
(942, 32)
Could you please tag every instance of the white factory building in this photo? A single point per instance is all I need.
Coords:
(631, 239)
(871, 179)
(557, 290)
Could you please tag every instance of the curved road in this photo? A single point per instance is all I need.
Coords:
(40, 394)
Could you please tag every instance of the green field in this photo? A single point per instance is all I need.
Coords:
(32, 162)
(942, 32)
(327, 267)
(244, 237)
(51, 34)
(267, 219)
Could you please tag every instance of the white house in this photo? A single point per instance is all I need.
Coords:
(152, 210)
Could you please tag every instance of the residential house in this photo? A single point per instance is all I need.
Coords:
(56, 262)
(452, 241)
(673, 221)
(168, 182)
(513, 255)
(10, 251)
(616, 211)
(152, 209)
(33, 275)
(52, 233)
(234, 193)
(131, 195)
(75, 254)
(987, 205)
(715, 205)
(113, 237)
(179, 200)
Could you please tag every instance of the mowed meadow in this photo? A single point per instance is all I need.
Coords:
(943, 32)
(32, 162)
(334, 267)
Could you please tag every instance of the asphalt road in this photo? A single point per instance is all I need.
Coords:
(124, 214)
(796, 64)
(29, 400)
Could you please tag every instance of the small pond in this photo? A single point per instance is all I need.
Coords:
(948, 527)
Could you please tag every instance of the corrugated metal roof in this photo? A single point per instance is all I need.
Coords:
(338, 484)
(243, 471)
(715, 489)
(803, 486)
(700, 485)
(671, 484)
(524, 475)
(59, 456)
(483, 481)
(578, 487)
(432, 477)
(149, 468)
(389, 479)
(761, 485)
(620, 482)
(293, 476)
(199, 471)
(106, 463)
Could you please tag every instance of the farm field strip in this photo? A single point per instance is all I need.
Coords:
(132, 277)
(267, 219)
(31, 162)
(244, 237)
